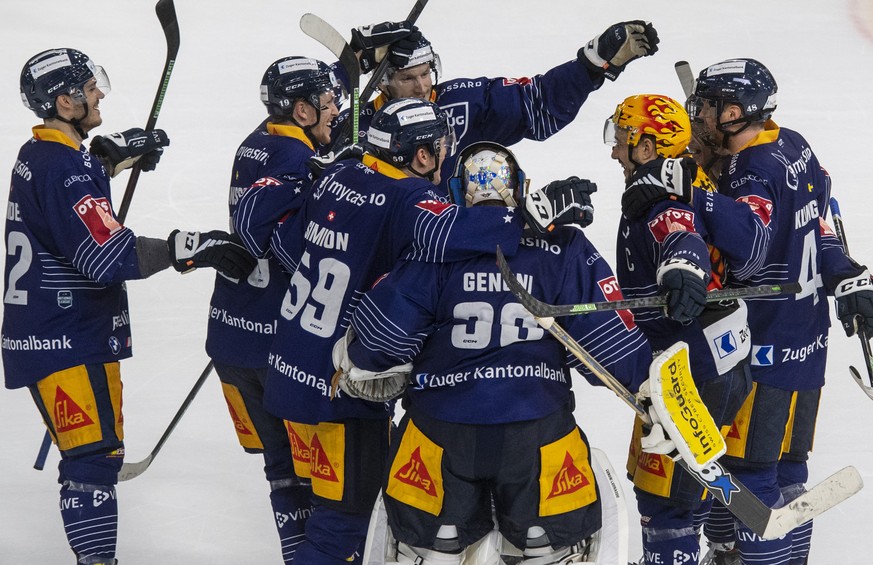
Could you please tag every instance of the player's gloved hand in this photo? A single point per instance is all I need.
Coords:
(318, 163)
(658, 180)
(655, 439)
(118, 151)
(559, 203)
(684, 283)
(608, 53)
(373, 43)
(854, 296)
(220, 250)
(368, 385)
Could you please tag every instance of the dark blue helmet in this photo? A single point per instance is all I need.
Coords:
(405, 124)
(744, 82)
(55, 72)
(293, 78)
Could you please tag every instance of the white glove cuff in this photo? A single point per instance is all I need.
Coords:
(683, 264)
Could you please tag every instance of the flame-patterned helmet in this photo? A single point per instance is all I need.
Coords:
(651, 114)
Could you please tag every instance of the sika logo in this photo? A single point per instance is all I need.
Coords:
(569, 479)
(299, 449)
(319, 465)
(415, 474)
(651, 463)
(238, 423)
(69, 415)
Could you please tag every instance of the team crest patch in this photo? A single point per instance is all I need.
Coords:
(96, 214)
(669, 221)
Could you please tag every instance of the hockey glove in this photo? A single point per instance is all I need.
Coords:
(118, 151)
(684, 283)
(317, 164)
(608, 53)
(373, 42)
(561, 202)
(220, 250)
(658, 180)
(368, 385)
(854, 297)
(655, 439)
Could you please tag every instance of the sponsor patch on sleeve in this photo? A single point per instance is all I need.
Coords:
(669, 221)
(521, 81)
(761, 206)
(96, 214)
(612, 291)
(435, 207)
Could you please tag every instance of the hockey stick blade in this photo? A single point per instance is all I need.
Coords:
(541, 309)
(371, 86)
(166, 12)
(132, 470)
(856, 376)
(686, 77)
(327, 35)
(822, 497)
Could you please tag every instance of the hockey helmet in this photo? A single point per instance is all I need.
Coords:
(744, 82)
(651, 114)
(486, 172)
(54, 72)
(293, 78)
(404, 124)
(423, 53)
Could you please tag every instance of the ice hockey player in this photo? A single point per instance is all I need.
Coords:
(66, 323)
(359, 219)
(662, 249)
(301, 97)
(503, 110)
(770, 208)
(489, 407)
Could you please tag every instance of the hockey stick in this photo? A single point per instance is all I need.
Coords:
(327, 35)
(840, 229)
(166, 13)
(349, 129)
(132, 470)
(686, 77)
(768, 523)
(542, 309)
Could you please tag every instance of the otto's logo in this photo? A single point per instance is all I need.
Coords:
(669, 221)
(612, 291)
(760, 206)
(96, 214)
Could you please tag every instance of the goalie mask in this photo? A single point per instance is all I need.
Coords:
(660, 117)
(57, 72)
(487, 173)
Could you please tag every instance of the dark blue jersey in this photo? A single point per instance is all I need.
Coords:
(356, 222)
(242, 314)
(672, 230)
(502, 110)
(478, 356)
(67, 257)
(777, 182)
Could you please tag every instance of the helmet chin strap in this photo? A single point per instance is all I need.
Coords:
(76, 122)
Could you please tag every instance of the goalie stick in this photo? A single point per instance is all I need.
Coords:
(768, 523)
(840, 229)
(541, 309)
(132, 470)
(349, 129)
(166, 12)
